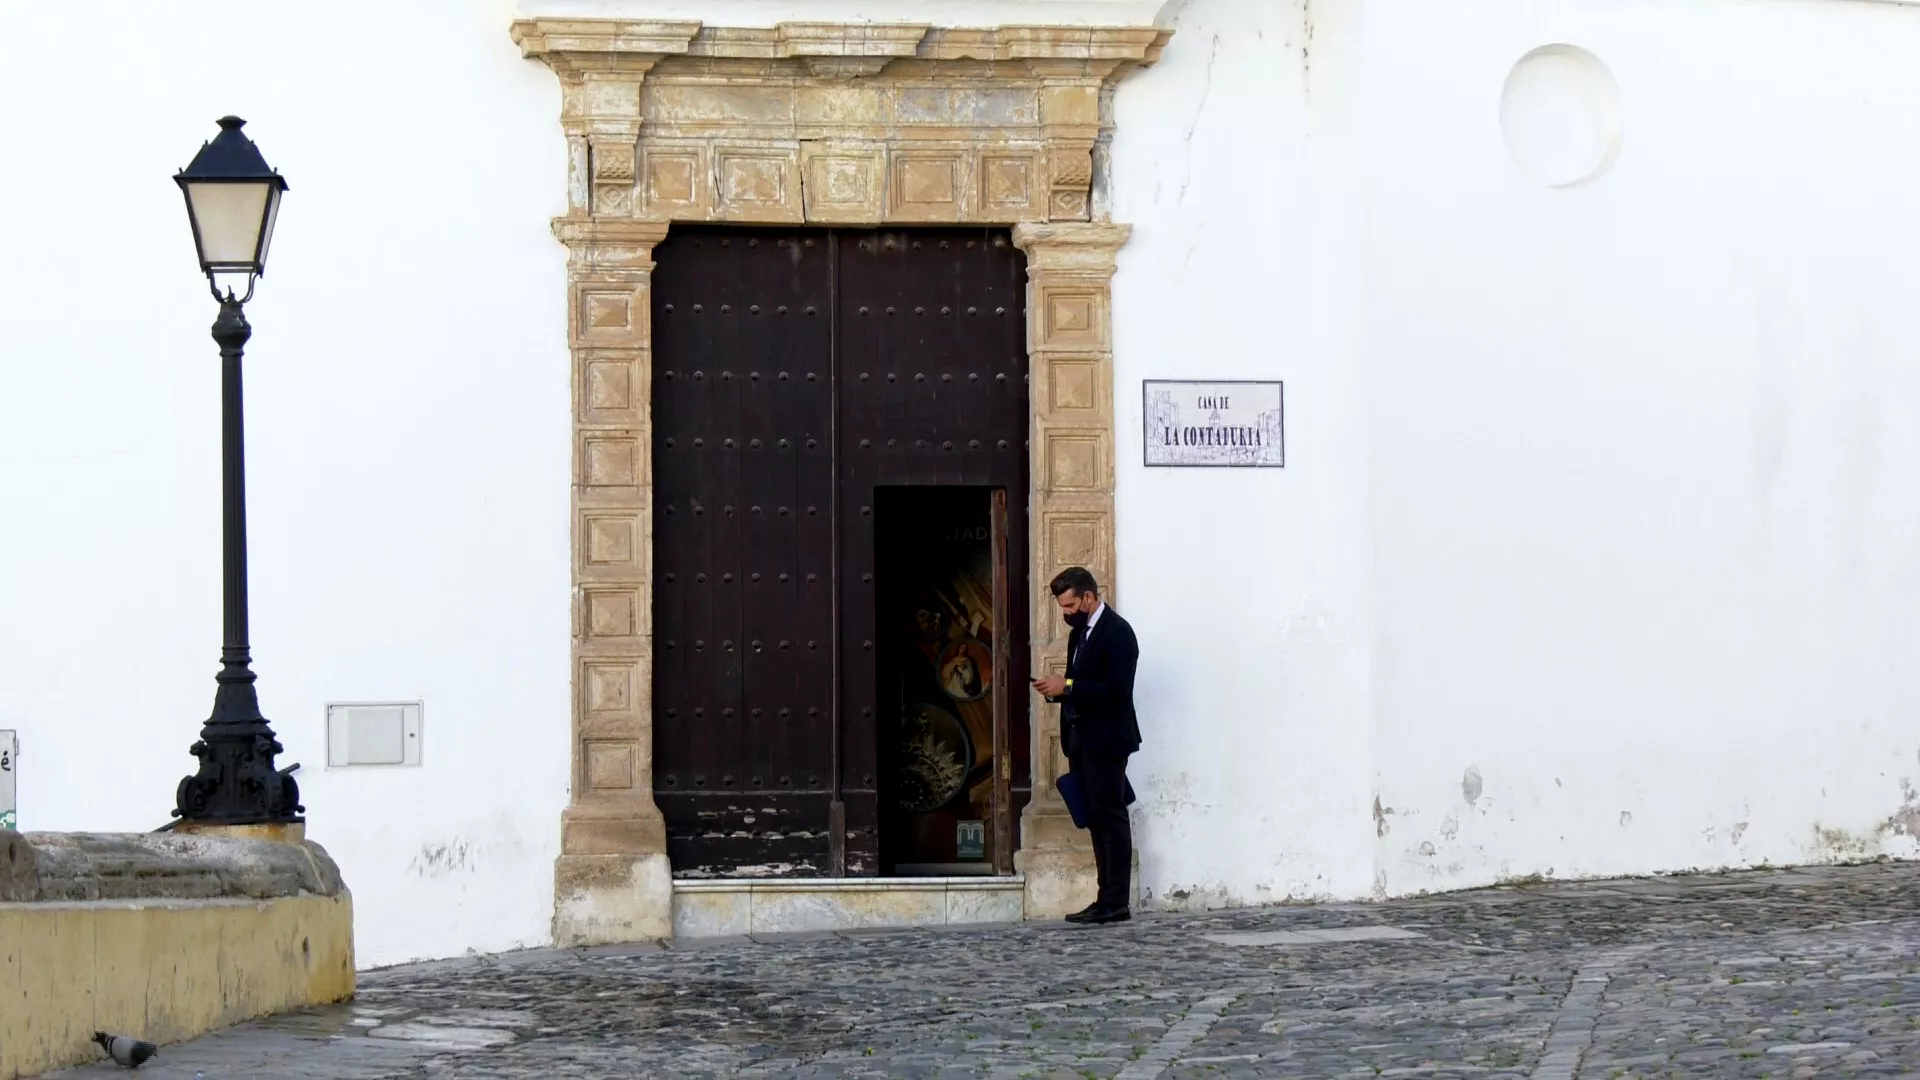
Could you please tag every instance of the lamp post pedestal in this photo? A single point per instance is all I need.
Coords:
(237, 783)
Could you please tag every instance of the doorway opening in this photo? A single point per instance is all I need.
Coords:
(944, 615)
(809, 385)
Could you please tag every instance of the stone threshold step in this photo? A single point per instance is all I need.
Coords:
(850, 884)
(730, 907)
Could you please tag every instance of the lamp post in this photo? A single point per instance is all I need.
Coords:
(232, 199)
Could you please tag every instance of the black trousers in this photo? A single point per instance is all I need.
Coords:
(1105, 781)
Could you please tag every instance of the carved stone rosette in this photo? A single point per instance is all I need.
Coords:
(828, 123)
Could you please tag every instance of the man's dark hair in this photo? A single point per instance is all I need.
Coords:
(1076, 579)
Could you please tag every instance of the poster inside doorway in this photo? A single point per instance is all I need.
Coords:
(937, 620)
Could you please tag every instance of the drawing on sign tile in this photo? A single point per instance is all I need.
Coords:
(1215, 424)
(9, 753)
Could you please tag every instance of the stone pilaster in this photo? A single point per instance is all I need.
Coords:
(1070, 347)
(612, 882)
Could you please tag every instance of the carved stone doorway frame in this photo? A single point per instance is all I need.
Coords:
(817, 123)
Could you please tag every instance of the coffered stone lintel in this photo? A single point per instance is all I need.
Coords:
(834, 122)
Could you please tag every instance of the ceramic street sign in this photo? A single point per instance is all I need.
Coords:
(1215, 424)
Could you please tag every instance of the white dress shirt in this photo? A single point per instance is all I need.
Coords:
(1087, 633)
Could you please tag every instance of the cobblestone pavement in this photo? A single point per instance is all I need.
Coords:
(1775, 974)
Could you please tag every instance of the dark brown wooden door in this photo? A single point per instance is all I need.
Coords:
(932, 376)
(743, 550)
(795, 372)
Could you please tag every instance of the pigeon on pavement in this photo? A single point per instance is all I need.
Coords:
(129, 1052)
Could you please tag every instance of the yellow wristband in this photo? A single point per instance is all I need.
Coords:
(1069, 686)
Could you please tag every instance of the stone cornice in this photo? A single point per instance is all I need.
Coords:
(602, 244)
(1134, 44)
(577, 45)
(1071, 246)
(568, 38)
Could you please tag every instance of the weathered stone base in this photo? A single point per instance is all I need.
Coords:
(278, 832)
(162, 937)
(1062, 881)
(731, 907)
(611, 899)
(162, 970)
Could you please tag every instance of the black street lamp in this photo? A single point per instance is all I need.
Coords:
(232, 198)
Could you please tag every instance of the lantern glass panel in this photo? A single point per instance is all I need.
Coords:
(229, 218)
(266, 236)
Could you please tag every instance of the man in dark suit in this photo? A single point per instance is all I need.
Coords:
(1099, 730)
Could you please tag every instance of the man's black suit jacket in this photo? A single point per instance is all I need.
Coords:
(1097, 714)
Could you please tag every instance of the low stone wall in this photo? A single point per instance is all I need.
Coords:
(162, 936)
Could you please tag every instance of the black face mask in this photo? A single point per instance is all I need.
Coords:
(1078, 619)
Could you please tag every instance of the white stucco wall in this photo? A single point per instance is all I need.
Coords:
(1598, 547)
(1646, 452)
(1248, 588)
(1609, 494)
(1598, 544)
(407, 434)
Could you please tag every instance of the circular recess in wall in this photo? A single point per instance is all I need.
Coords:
(1561, 115)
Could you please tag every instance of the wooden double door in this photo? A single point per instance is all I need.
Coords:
(840, 548)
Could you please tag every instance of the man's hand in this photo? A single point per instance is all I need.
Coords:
(1050, 685)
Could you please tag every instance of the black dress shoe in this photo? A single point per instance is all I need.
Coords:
(1085, 913)
(1103, 915)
